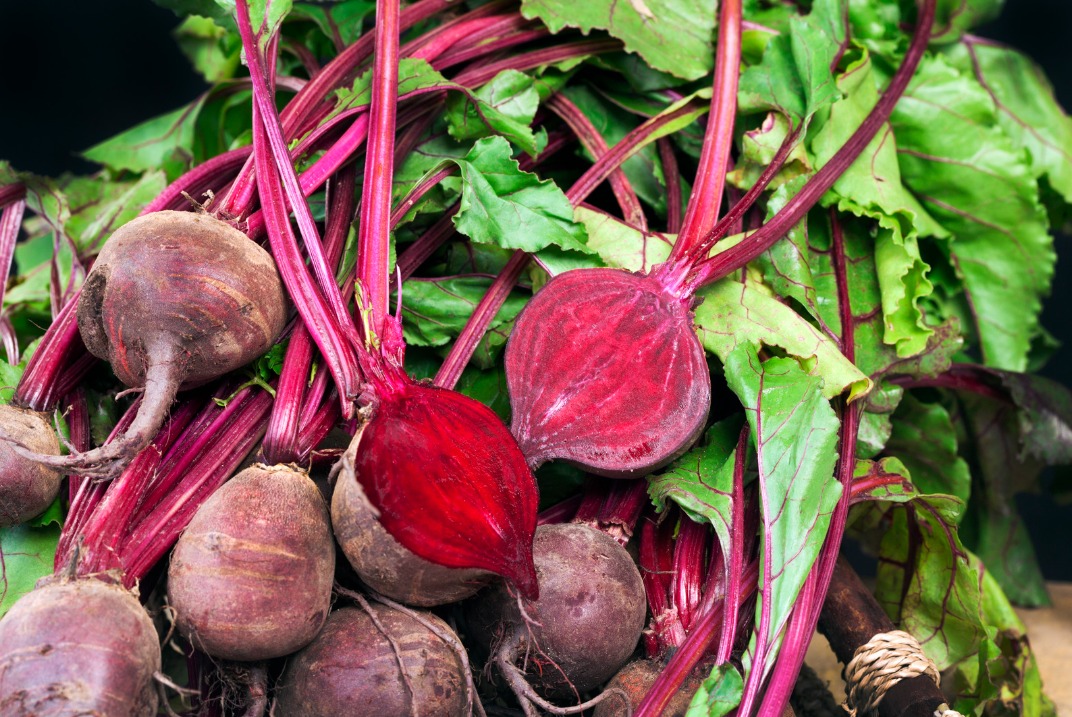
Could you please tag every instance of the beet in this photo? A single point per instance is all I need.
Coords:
(26, 487)
(387, 567)
(175, 299)
(82, 647)
(250, 577)
(353, 668)
(447, 479)
(605, 371)
(587, 620)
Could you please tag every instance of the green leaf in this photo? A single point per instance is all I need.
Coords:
(718, 694)
(957, 159)
(996, 532)
(701, 481)
(734, 314)
(925, 440)
(758, 148)
(795, 432)
(27, 552)
(1044, 416)
(1026, 107)
(434, 311)
(621, 245)
(927, 582)
(794, 77)
(953, 18)
(164, 142)
(505, 106)
(505, 206)
(487, 386)
(265, 17)
(213, 50)
(674, 36)
(346, 18)
(871, 187)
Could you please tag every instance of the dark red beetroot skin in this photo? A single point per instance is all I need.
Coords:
(386, 566)
(605, 371)
(250, 577)
(174, 299)
(352, 668)
(448, 480)
(587, 621)
(26, 487)
(78, 648)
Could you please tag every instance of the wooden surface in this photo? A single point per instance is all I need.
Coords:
(1048, 629)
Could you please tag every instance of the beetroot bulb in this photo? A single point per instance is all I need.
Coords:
(604, 367)
(26, 486)
(250, 577)
(81, 647)
(174, 300)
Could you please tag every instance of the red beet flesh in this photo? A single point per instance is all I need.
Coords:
(174, 299)
(587, 621)
(386, 566)
(26, 487)
(78, 648)
(250, 577)
(448, 480)
(352, 668)
(605, 371)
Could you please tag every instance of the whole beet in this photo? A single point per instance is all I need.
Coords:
(353, 668)
(387, 567)
(174, 299)
(635, 679)
(26, 487)
(82, 647)
(587, 620)
(250, 577)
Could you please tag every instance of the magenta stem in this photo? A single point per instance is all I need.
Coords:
(672, 175)
(702, 210)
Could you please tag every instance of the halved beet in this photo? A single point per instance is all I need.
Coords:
(82, 647)
(605, 371)
(387, 567)
(448, 480)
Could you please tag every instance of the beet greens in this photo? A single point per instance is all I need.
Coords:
(777, 265)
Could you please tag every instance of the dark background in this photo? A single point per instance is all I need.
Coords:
(73, 73)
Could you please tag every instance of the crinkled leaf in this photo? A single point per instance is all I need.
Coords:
(794, 77)
(674, 36)
(1026, 107)
(998, 535)
(504, 106)
(795, 432)
(871, 187)
(718, 694)
(505, 206)
(621, 245)
(164, 142)
(957, 159)
(925, 440)
(213, 50)
(734, 314)
(701, 481)
(27, 552)
(434, 311)
(927, 582)
(758, 148)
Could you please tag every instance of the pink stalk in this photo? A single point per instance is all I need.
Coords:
(476, 76)
(212, 173)
(596, 146)
(734, 563)
(59, 363)
(10, 221)
(702, 210)
(672, 175)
